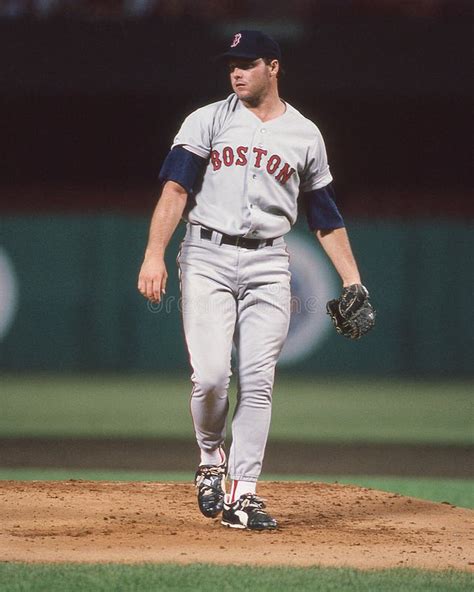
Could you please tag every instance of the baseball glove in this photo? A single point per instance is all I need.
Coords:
(352, 313)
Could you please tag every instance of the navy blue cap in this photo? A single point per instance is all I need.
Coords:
(252, 45)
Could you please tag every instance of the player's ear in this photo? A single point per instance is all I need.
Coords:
(274, 67)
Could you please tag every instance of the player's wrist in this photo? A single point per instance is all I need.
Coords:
(350, 281)
(155, 253)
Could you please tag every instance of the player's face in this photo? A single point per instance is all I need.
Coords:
(251, 80)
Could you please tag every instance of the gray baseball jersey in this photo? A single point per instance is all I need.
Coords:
(256, 170)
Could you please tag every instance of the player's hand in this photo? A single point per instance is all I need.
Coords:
(152, 278)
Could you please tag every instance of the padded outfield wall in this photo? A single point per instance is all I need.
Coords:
(68, 299)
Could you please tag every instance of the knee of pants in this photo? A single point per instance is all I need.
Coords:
(256, 392)
(211, 384)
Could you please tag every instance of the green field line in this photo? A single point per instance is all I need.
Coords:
(18, 577)
(458, 492)
(304, 409)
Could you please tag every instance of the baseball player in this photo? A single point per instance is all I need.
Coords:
(235, 172)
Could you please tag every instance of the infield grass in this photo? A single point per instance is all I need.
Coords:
(20, 577)
(304, 409)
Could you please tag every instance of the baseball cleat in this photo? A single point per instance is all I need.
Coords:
(247, 512)
(210, 483)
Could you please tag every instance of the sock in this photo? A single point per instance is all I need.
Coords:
(240, 487)
(215, 457)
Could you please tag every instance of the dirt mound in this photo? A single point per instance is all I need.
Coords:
(320, 524)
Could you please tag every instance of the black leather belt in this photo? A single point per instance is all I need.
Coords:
(238, 241)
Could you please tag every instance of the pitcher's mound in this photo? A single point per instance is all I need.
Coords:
(319, 524)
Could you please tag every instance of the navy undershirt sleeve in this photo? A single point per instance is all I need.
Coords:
(183, 167)
(321, 210)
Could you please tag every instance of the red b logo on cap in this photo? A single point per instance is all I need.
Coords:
(236, 41)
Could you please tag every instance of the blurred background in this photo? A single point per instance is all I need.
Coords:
(91, 95)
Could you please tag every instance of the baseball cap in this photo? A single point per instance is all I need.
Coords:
(252, 45)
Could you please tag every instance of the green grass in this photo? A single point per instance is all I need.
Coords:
(304, 409)
(459, 492)
(17, 577)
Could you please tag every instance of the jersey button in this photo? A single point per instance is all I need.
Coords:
(254, 176)
(263, 130)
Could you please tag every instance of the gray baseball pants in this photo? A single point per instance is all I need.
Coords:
(233, 295)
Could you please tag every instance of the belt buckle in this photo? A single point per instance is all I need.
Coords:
(237, 241)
